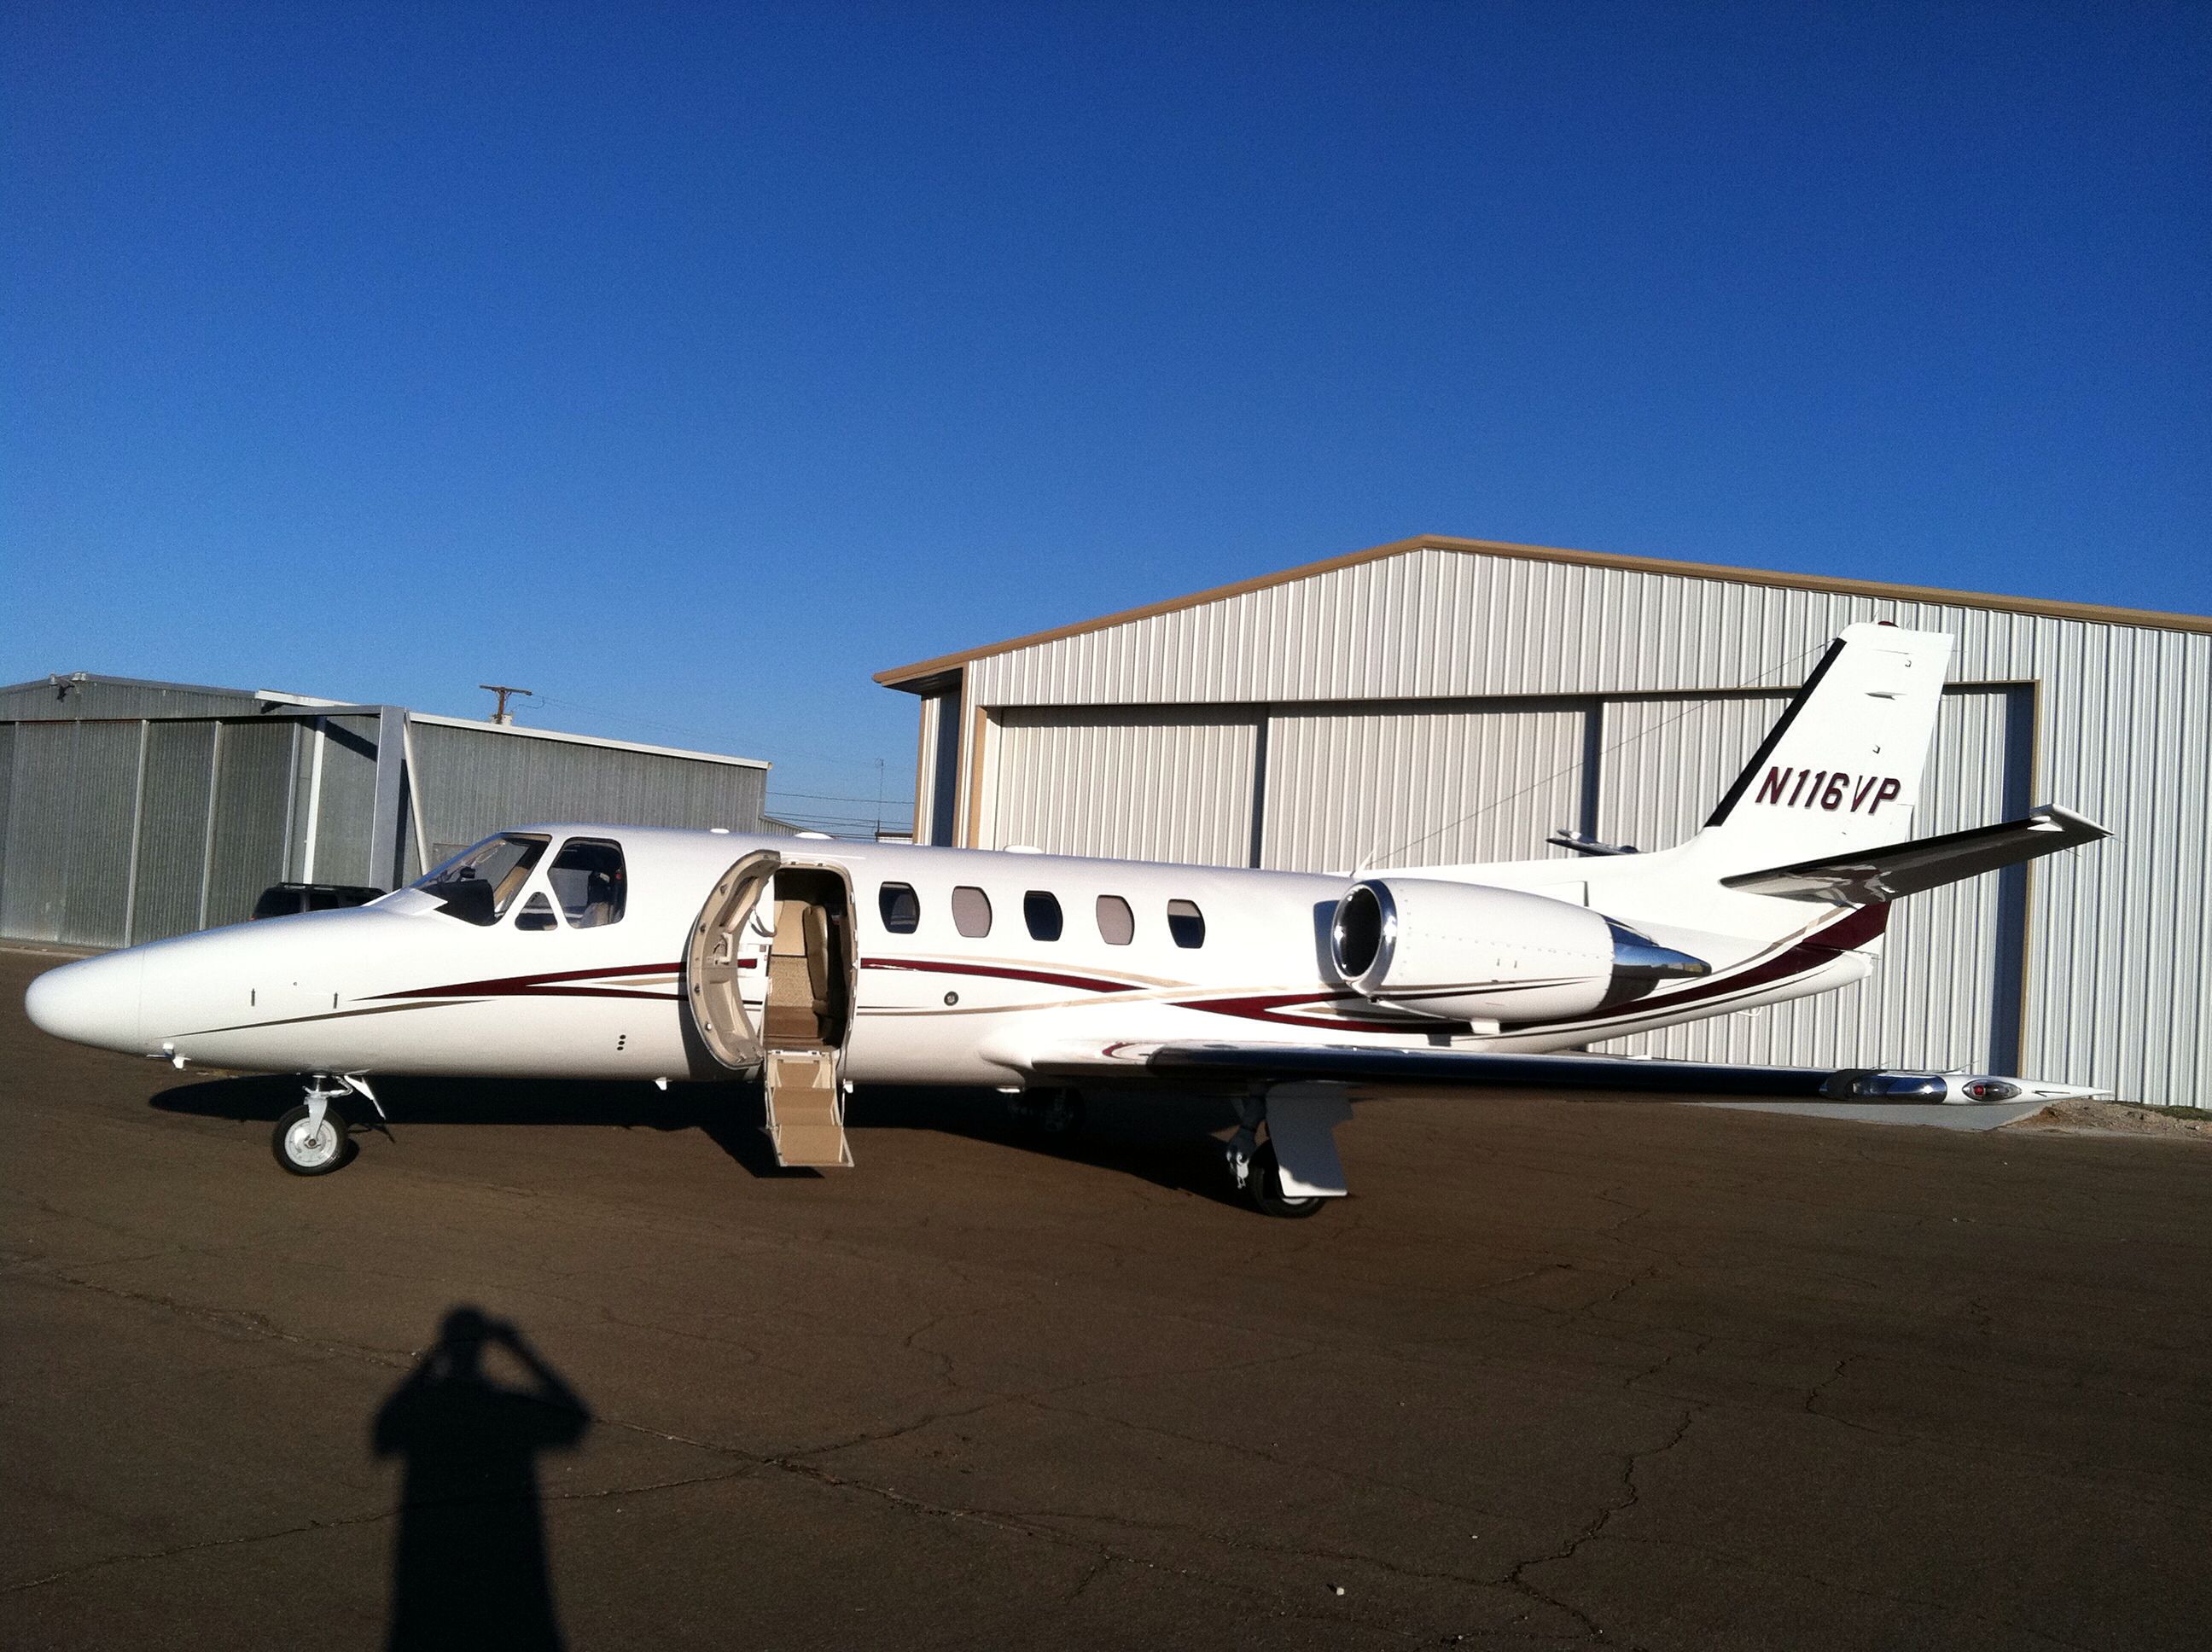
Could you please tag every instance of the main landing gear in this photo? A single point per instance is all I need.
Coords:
(313, 1139)
(1057, 1115)
(1301, 1121)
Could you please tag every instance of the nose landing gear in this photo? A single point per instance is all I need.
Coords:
(312, 1140)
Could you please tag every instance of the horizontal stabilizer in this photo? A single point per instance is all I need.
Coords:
(1867, 875)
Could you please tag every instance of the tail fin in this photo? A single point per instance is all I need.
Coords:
(1840, 770)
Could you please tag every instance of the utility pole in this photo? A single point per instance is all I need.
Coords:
(502, 716)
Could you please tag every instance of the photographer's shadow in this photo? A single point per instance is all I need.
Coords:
(468, 1563)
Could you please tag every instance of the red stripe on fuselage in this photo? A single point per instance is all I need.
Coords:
(1001, 972)
(553, 985)
(1267, 1007)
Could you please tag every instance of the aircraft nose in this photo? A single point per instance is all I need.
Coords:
(94, 1001)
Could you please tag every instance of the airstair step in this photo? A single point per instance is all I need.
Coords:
(804, 1118)
(821, 1145)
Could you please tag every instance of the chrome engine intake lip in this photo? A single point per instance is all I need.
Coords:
(1364, 934)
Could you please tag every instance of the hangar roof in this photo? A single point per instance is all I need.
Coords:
(50, 699)
(923, 675)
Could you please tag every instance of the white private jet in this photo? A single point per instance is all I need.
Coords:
(613, 952)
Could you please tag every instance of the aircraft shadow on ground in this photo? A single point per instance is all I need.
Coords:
(469, 1565)
(1165, 1139)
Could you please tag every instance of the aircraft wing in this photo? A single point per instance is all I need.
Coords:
(1200, 1064)
(1866, 876)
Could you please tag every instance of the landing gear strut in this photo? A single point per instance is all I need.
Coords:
(311, 1139)
(1304, 1115)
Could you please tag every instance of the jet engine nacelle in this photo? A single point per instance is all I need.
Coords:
(1469, 952)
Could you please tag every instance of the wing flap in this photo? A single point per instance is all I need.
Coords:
(1899, 869)
(1477, 1069)
(1270, 1064)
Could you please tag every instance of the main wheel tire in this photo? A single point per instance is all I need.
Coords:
(1263, 1183)
(1059, 1115)
(308, 1152)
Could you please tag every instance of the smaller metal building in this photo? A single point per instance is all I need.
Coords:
(130, 810)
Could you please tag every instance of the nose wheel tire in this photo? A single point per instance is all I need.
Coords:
(1263, 1186)
(306, 1150)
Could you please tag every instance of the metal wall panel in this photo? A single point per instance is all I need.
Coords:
(100, 698)
(1451, 624)
(103, 785)
(345, 821)
(473, 782)
(1405, 786)
(1664, 762)
(251, 780)
(39, 824)
(7, 793)
(173, 829)
(231, 806)
(2120, 967)
(1161, 785)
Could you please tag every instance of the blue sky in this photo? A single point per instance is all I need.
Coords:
(690, 364)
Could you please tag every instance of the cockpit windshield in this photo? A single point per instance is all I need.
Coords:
(477, 884)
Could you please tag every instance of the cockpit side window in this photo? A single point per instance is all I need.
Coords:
(477, 886)
(589, 882)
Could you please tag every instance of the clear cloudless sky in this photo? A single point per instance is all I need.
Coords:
(688, 364)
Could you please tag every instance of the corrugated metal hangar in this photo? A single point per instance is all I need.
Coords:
(1451, 700)
(129, 810)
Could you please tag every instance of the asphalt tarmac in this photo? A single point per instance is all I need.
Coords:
(574, 1362)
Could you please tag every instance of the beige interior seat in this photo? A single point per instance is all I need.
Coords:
(798, 977)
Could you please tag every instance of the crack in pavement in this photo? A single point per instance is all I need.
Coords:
(245, 1539)
(1632, 1494)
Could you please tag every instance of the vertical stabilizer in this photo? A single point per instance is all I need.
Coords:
(1841, 768)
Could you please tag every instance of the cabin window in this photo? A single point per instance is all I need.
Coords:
(536, 914)
(901, 906)
(1041, 912)
(1117, 925)
(589, 882)
(1186, 923)
(478, 884)
(971, 911)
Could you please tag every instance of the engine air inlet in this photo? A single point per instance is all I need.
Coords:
(1365, 930)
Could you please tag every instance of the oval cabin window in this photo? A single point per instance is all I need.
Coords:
(1117, 925)
(901, 906)
(971, 911)
(1041, 912)
(1186, 923)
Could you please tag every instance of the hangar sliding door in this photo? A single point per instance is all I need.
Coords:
(1409, 785)
(1947, 991)
(1150, 783)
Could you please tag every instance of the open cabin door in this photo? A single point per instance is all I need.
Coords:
(792, 926)
(807, 1018)
(711, 961)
